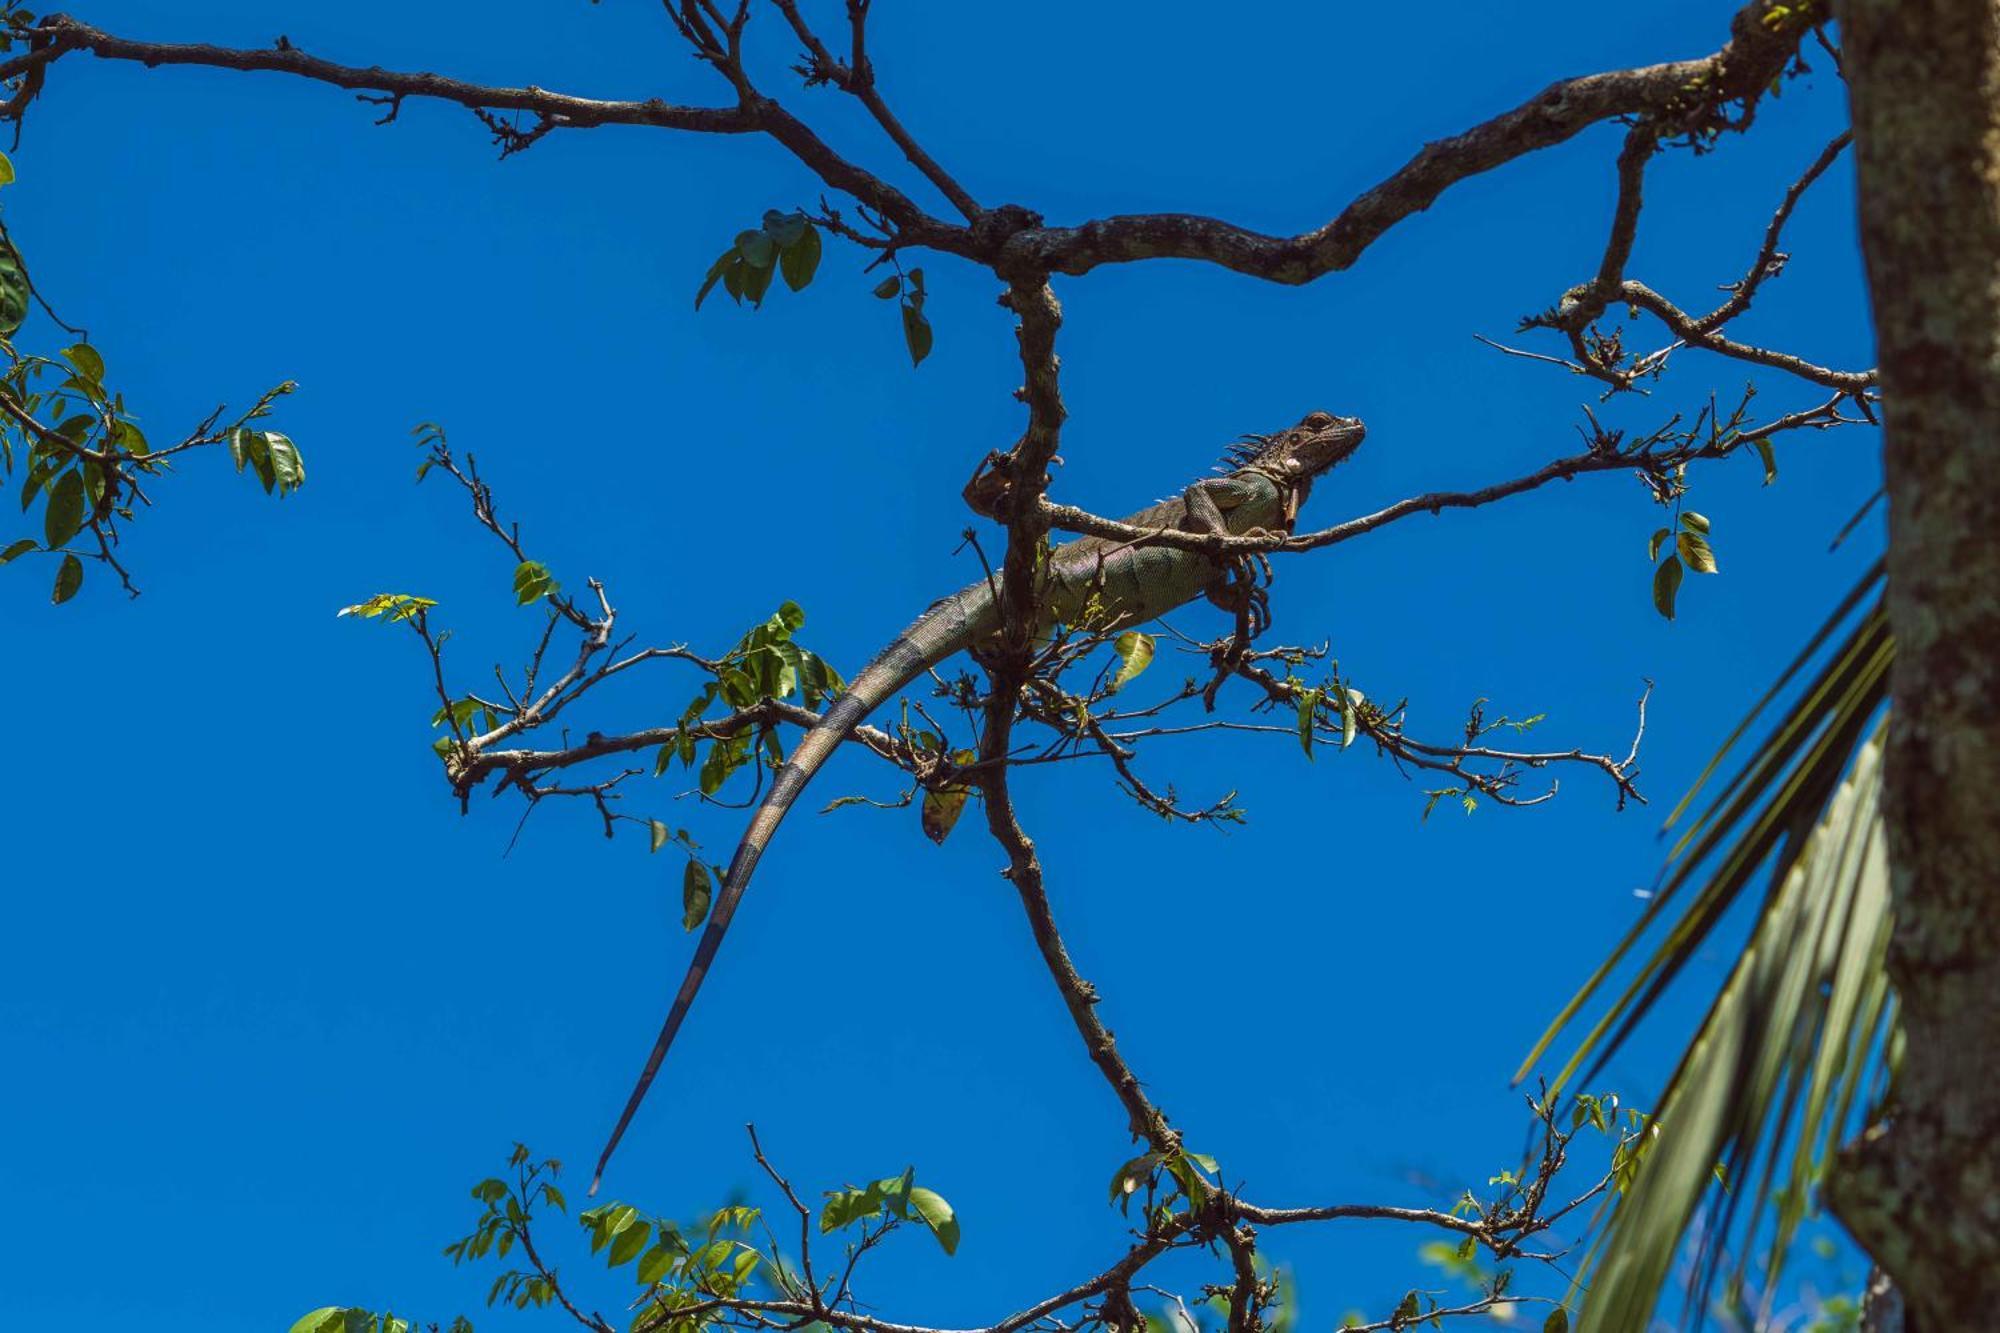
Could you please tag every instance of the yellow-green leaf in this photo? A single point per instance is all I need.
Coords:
(1350, 716)
(916, 332)
(941, 811)
(63, 518)
(1135, 654)
(532, 582)
(1666, 582)
(1696, 552)
(394, 605)
(800, 260)
(937, 1215)
(69, 577)
(697, 891)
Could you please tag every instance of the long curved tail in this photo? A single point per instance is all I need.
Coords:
(914, 651)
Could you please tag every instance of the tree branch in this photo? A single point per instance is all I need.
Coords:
(1683, 97)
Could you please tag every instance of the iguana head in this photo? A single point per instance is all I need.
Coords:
(1303, 452)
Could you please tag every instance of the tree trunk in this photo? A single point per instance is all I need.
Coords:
(1921, 1189)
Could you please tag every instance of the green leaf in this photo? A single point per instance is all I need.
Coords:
(1694, 522)
(937, 1215)
(532, 582)
(785, 228)
(1308, 705)
(729, 260)
(287, 467)
(889, 286)
(15, 292)
(1666, 582)
(85, 358)
(697, 892)
(1803, 1025)
(6, 170)
(1657, 540)
(69, 577)
(658, 1262)
(1696, 552)
(392, 605)
(1764, 451)
(1557, 1322)
(17, 549)
(63, 518)
(846, 1207)
(660, 834)
(1350, 717)
(756, 281)
(941, 810)
(800, 259)
(1133, 1174)
(1135, 654)
(916, 333)
(327, 1319)
(628, 1240)
(759, 251)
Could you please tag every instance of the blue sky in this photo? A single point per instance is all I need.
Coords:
(270, 1004)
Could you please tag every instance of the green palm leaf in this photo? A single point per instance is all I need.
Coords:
(1769, 1083)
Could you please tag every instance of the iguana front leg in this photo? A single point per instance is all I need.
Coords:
(1235, 587)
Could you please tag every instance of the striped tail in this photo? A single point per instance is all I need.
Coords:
(898, 664)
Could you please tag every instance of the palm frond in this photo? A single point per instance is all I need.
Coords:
(1769, 1084)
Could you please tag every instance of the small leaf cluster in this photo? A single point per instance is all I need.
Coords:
(908, 292)
(1332, 706)
(944, 801)
(508, 1210)
(1165, 1177)
(893, 1199)
(271, 457)
(698, 880)
(64, 461)
(80, 450)
(718, 1262)
(764, 664)
(389, 607)
(76, 445)
(787, 243)
(532, 582)
(1691, 551)
(353, 1319)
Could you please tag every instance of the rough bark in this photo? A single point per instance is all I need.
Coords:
(1922, 1188)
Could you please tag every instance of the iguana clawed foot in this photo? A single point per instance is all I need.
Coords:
(1241, 592)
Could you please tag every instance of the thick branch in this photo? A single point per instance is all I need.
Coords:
(1681, 96)
(68, 34)
(754, 112)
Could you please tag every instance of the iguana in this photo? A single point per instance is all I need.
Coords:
(1267, 478)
